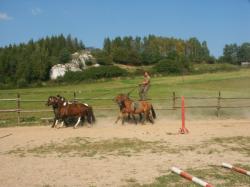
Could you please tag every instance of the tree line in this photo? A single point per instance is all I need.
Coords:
(150, 50)
(31, 62)
(234, 54)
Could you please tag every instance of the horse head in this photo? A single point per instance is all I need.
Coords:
(61, 98)
(52, 100)
(120, 100)
(62, 101)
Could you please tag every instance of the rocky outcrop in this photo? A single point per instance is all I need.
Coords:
(78, 63)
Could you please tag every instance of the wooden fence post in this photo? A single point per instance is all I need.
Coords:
(218, 104)
(18, 108)
(74, 96)
(174, 101)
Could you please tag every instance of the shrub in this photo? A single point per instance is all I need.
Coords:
(88, 63)
(95, 73)
(168, 66)
(104, 60)
(22, 83)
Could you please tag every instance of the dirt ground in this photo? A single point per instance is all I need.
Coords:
(100, 169)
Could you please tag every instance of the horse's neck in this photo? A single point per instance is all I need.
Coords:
(60, 105)
(55, 108)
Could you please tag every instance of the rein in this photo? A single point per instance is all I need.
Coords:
(131, 90)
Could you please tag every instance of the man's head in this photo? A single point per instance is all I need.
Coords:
(146, 73)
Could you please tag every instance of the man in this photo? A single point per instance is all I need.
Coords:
(144, 87)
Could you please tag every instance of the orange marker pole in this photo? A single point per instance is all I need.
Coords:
(183, 129)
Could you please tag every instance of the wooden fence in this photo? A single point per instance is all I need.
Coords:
(217, 106)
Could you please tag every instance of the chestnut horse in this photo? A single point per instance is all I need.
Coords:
(130, 107)
(63, 110)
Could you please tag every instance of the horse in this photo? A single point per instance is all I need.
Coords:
(90, 116)
(128, 106)
(52, 100)
(64, 109)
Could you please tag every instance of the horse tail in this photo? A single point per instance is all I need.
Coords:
(91, 114)
(153, 112)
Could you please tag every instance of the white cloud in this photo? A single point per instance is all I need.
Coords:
(36, 11)
(4, 16)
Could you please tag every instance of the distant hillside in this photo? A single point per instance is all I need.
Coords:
(131, 68)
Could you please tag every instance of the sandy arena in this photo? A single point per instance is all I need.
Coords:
(22, 166)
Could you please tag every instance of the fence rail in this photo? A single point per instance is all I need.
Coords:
(218, 105)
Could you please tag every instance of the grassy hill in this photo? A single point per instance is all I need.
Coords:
(231, 84)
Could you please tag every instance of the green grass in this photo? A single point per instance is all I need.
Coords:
(231, 84)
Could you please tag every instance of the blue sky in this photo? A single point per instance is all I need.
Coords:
(219, 22)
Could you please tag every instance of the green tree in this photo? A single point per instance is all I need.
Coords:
(244, 52)
(107, 46)
(230, 53)
(64, 56)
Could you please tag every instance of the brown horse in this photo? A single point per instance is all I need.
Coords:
(130, 107)
(64, 109)
(90, 114)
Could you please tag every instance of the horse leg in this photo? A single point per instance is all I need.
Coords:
(62, 124)
(129, 117)
(140, 115)
(123, 119)
(83, 119)
(78, 121)
(134, 119)
(54, 123)
(124, 116)
(150, 119)
(118, 117)
(89, 120)
(144, 118)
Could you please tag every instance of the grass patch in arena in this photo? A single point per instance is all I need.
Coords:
(86, 147)
(239, 144)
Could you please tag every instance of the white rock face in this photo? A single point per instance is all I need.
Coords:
(78, 63)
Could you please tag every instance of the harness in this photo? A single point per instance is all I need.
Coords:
(135, 105)
(67, 103)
